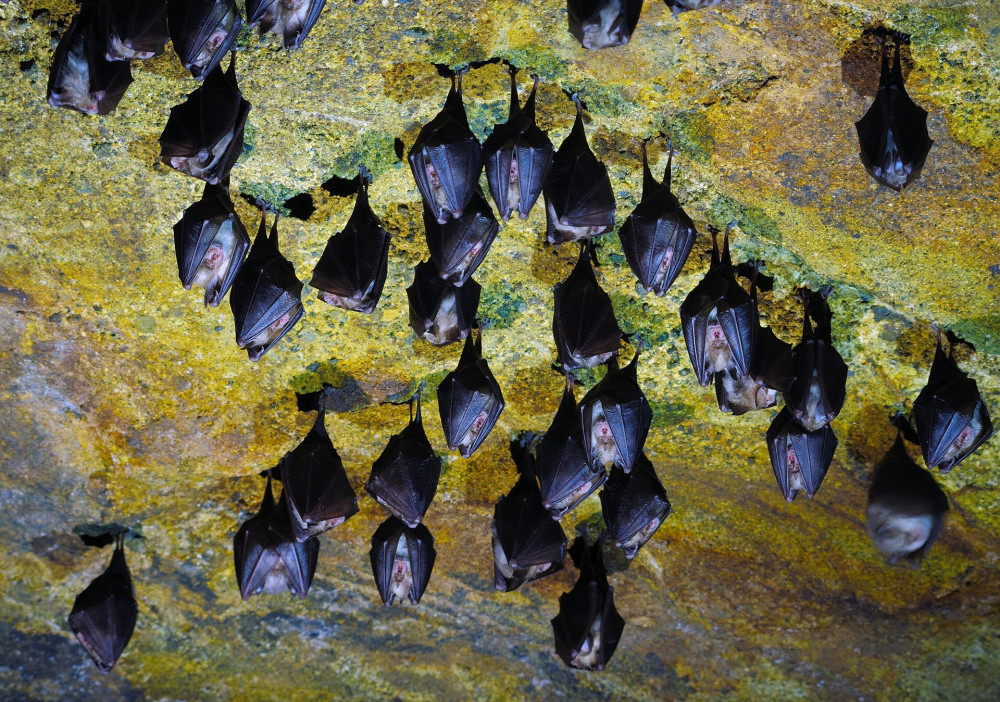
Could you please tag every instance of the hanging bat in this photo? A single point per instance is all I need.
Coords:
(565, 475)
(135, 29)
(598, 24)
(210, 242)
(351, 272)
(588, 627)
(266, 297)
(951, 417)
(634, 505)
(402, 560)
(579, 203)
(679, 6)
(80, 77)
(658, 236)
(799, 458)
(204, 135)
(405, 477)
(817, 394)
(518, 156)
(583, 319)
(440, 311)
(104, 615)
(719, 319)
(469, 399)
(458, 246)
(893, 133)
(446, 159)
(202, 32)
(616, 417)
(527, 543)
(289, 19)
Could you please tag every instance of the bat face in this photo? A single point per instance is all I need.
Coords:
(458, 246)
(579, 203)
(679, 6)
(104, 615)
(203, 137)
(799, 458)
(817, 393)
(634, 505)
(441, 312)
(135, 29)
(289, 19)
(615, 418)
(583, 320)
(402, 560)
(893, 133)
(597, 24)
(469, 399)
(446, 159)
(202, 32)
(266, 296)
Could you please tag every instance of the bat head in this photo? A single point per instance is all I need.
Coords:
(441, 312)
(402, 559)
(202, 32)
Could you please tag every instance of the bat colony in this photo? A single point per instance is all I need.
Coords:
(594, 444)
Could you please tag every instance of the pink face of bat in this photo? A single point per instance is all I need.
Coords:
(216, 40)
(358, 302)
(607, 29)
(631, 545)
(514, 187)
(439, 196)
(259, 344)
(718, 355)
(588, 657)
(603, 448)
(966, 438)
(445, 328)
(402, 575)
(661, 272)
(895, 533)
(474, 430)
(794, 473)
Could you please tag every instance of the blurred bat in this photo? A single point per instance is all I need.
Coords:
(679, 6)
(634, 505)
(583, 320)
(289, 19)
(441, 312)
(469, 399)
(402, 560)
(598, 24)
(458, 246)
(202, 32)
(134, 29)
(799, 458)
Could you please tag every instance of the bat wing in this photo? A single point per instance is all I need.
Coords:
(134, 28)
(800, 458)
(564, 471)
(583, 319)
(534, 154)
(695, 312)
(254, 554)
(420, 545)
(383, 554)
(578, 188)
(202, 32)
(941, 418)
(772, 361)
(458, 246)
(634, 505)
(814, 451)
(583, 609)
(104, 615)
(300, 563)
(82, 46)
(466, 394)
(738, 317)
(777, 448)
(405, 477)
(626, 409)
(525, 529)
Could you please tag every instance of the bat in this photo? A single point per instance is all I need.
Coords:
(905, 507)
(527, 543)
(135, 29)
(203, 136)
(469, 399)
(817, 394)
(210, 242)
(80, 77)
(104, 614)
(266, 296)
(634, 505)
(441, 312)
(616, 417)
(588, 627)
(202, 32)
(658, 236)
(719, 319)
(598, 24)
(679, 6)
(951, 417)
(893, 133)
(583, 320)
(352, 270)
(460, 244)
(405, 477)
(565, 475)
(518, 156)
(446, 158)
(289, 19)
(402, 560)
(799, 458)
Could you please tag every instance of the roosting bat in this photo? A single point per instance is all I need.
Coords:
(135, 29)
(518, 156)
(460, 244)
(204, 135)
(597, 24)
(679, 6)
(202, 32)
(579, 203)
(583, 319)
(351, 272)
(799, 458)
(402, 560)
(893, 133)
(210, 242)
(951, 417)
(634, 505)
(405, 477)
(266, 297)
(527, 543)
(289, 19)
(446, 159)
(588, 626)
(469, 399)
(616, 417)
(104, 614)
(440, 311)
(81, 78)
(657, 237)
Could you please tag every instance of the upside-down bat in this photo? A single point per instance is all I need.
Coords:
(679, 6)
(104, 614)
(583, 320)
(202, 32)
(402, 560)
(446, 158)
(204, 134)
(634, 505)
(266, 296)
(351, 272)
(597, 24)
(460, 244)
(441, 312)
(799, 458)
(616, 417)
(469, 399)
(289, 19)
(134, 29)
(518, 156)
(579, 203)
(893, 133)
(951, 417)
